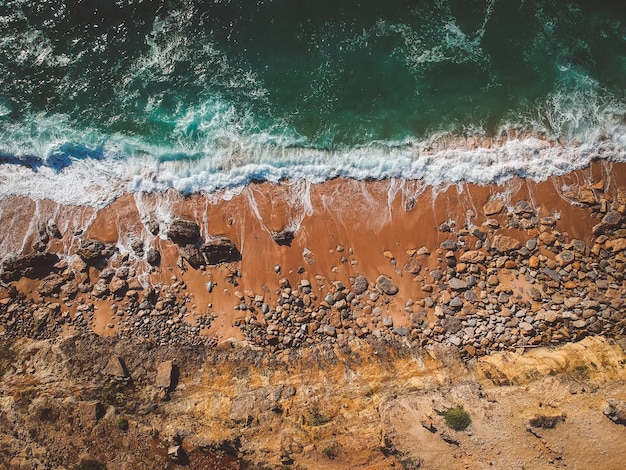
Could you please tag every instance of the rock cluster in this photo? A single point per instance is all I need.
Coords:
(513, 281)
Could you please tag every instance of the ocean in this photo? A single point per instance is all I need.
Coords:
(102, 97)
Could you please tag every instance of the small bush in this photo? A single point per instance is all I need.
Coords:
(546, 422)
(121, 424)
(318, 418)
(331, 451)
(457, 418)
(90, 465)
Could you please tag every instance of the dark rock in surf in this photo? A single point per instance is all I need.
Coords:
(220, 250)
(33, 265)
(184, 232)
(153, 257)
(284, 237)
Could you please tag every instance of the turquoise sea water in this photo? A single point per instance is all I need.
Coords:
(202, 95)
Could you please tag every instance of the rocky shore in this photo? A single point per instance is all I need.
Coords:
(300, 281)
(512, 279)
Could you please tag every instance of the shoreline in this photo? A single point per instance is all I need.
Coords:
(440, 160)
(301, 247)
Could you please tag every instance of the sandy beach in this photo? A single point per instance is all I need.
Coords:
(337, 231)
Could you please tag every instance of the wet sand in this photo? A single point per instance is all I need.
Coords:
(343, 228)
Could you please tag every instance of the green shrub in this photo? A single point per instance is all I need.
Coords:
(90, 465)
(122, 424)
(457, 418)
(331, 451)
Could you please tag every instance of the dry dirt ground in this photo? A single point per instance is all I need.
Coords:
(374, 406)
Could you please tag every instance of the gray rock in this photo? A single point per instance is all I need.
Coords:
(457, 284)
(456, 302)
(401, 331)
(552, 274)
(436, 274)
(388, 321)
(387, 285)
(615, 410)
(360, 285)
(330, 330)
(612, 219)
(449, 245)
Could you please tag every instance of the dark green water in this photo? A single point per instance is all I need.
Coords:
(219, 86)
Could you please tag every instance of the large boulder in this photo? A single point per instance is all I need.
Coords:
(220, 250)
(612, 219)
(284, 237)
(153, 256)
(95, 250)
(51, 285)
(166, 376)
(116, 368)
(184, 232)
(34, 265)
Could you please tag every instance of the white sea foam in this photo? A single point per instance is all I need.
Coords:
(96, 182)
(51, 159)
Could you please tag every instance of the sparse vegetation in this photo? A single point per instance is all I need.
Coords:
(318, 418)
(581, 371)
(121, 424)
(331, 451)
(90, 465)
(457, 418)
(546, 422)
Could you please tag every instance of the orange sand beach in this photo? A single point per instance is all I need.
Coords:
(341, 229)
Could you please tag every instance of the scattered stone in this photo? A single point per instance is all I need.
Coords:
(503, 244)
(494, 206)
(413, 266)
(564, 258)
(360, 285)
(386, 284)
(330, 330)
(615, 410)
(616, 245)
(423, 251)
(457, 284)
(473, 256)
